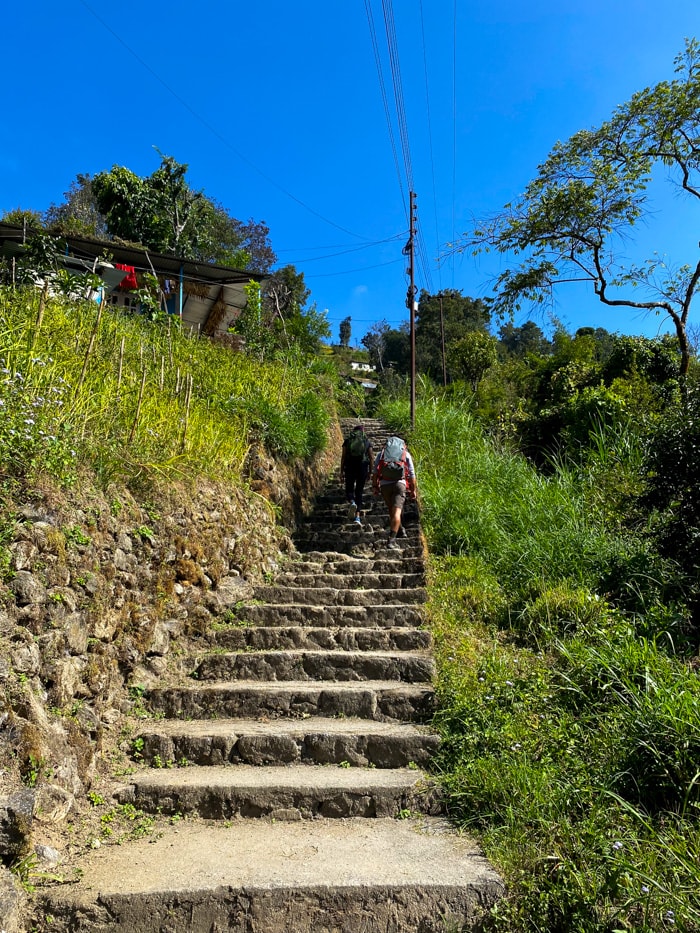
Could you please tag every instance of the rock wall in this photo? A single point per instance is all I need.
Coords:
(105, 587)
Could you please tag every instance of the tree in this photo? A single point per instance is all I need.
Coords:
(78, 214)
(345, 332)
(449, 312)
(374, 341)
(397, 348)
(388, 347)
(28, 220)
(163, 213)
(519, 341)
(473, 355)
(276, 319)
(574, 216)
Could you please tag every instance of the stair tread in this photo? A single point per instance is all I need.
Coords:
(266, 777)
(287, 686)
(289, 727)
(201, 856)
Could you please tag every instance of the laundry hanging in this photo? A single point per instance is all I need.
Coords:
(130, 282)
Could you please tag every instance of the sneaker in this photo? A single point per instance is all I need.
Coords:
(393, 545)
(401, 533)
(352, 509)
(357, 520)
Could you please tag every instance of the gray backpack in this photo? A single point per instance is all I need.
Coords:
(392, 461)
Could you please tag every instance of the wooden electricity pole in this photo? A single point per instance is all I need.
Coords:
(409, 250)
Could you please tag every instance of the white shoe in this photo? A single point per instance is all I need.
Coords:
(357, 520)
(352, 510)
(393, 545)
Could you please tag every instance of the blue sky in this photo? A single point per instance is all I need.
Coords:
(278, 110)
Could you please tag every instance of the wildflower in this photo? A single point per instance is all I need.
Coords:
(616, 846)
(481, 680)
(670, 917)
(29, 421)
(509, 683)
(515, 746)
(489, 697)
(645, 889)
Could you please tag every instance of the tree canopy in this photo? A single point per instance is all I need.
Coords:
(164, 213)
(575, 215)
(450, 315)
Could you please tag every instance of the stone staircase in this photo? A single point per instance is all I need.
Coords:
(297, 748)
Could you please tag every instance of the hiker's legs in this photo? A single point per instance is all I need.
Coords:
(359, 487)
(394, 495)
(349, 485)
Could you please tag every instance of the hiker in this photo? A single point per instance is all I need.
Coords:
(394, 476)
(355, 463)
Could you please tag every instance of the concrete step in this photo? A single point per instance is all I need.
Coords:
(335, 514)
(239, 638)
(355, 540)
(387, 616)
(408, 667)
(260, 876)
(328, 596)
(315, 740)
(353, 581)
(378, 700)
(337, 522)
(292, 793)
(323, 562)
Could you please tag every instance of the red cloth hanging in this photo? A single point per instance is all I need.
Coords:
(130, 281)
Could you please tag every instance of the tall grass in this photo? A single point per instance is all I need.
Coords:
(130, 397)
(571, 727)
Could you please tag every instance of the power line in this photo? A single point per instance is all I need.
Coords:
(327, 275)
(215, 132)
(454, 129)
(430, 138)
(385, 100)
(354, 249)
(298, 249)
(390, 29)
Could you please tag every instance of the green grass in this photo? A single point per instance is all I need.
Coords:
(570, 723)
(129, 398)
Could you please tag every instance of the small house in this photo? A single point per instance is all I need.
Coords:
(207, 298)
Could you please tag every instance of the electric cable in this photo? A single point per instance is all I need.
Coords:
(385, 100)
(216, 133)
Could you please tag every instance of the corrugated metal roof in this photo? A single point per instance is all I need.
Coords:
(11, 238)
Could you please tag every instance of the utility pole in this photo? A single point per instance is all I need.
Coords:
(409, 250)
(442, 343)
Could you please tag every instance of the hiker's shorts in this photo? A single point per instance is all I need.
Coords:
(394, 494)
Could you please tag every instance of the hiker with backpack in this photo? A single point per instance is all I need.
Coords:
(355, 464)
(394, 476)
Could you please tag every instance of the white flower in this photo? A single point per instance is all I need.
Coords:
(616, 846)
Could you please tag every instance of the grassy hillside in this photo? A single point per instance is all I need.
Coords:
(143, 476)
(571, 715)
(139, 466)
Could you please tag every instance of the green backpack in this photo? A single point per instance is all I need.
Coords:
(357, 444)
